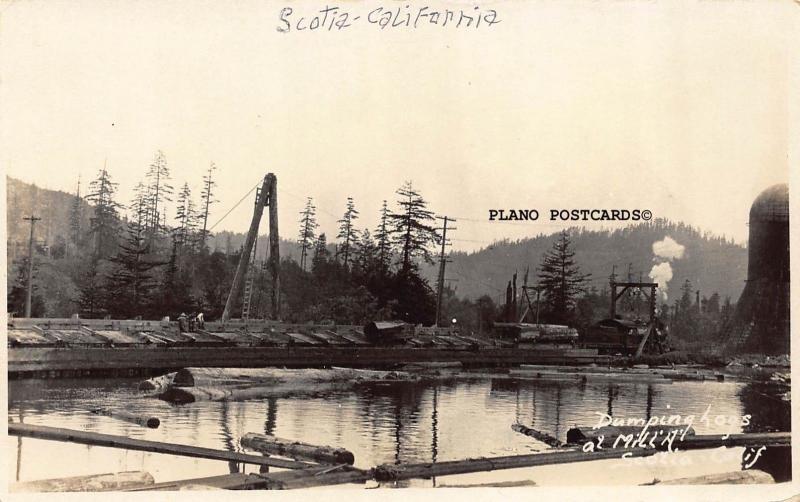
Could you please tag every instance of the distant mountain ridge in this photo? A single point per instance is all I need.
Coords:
(710, 262)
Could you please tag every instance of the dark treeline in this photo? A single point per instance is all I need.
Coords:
(100, 258)
(131, 260)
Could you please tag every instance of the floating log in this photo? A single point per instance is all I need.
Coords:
(233, 384)
(673, 373)
(748, 477)
(541, 436)
(112, 441)
(584, 376)
(236, 481)
(200, 377)
(92, 483)
(749, 439)
(578, 435)
(284, 480)
(393, 472)
(272, 445)
(144, 421)
(185, 395)
(157, 383)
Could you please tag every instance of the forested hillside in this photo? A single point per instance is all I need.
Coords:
(711, 263)
(98, 258)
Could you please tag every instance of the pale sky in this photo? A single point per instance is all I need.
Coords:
(677, 107)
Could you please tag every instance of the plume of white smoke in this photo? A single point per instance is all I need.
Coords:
(665, 251)
(668, 249)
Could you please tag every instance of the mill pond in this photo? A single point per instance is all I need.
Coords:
(398, 423)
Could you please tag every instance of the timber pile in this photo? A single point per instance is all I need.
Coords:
(233, 384)
(93, 483)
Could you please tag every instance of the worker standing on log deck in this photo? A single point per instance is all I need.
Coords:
(192, 322)
(182, 323)
(201, 323)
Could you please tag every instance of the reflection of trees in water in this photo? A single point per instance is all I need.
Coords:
(768, 412)
(227, 436)
(19, 446)
(272, 416)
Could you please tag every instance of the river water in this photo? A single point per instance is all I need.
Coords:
(395, 423)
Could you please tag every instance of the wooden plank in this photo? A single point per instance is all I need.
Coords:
(29, 359)
(111, 441)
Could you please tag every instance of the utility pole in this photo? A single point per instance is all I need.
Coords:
(29, 292)
(442, 264)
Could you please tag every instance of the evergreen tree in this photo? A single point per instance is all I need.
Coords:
(365, 254)
(308, 226)
(411, 229)
(348, 235)
(131, 282)
(92, 295)
(561, 280)
(712, 307)
(383, 239)
(321, 253)
(186, 219)
(160, 191)
(104, 224)
(206, 199)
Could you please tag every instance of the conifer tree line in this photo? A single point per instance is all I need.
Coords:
(133, 260)
(149, 258)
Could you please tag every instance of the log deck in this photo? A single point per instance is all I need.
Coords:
(55, 362)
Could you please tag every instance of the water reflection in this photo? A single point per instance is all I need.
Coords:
(397, 423)
(769, 413)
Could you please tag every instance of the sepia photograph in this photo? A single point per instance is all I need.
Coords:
(512, 247)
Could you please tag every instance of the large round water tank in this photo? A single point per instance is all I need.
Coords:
(769, 236)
